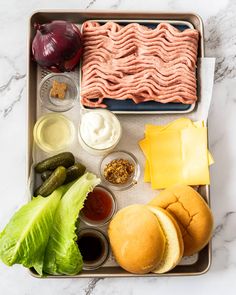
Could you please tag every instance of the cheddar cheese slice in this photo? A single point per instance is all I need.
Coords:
(165, 159)
(176, 153)
(194, 156)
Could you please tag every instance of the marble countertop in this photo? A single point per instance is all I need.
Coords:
(220, 35)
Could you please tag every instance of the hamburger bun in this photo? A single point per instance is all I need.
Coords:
(174, 248)
(192, 214)
(136, 239)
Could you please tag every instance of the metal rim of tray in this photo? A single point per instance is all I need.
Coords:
(198, 268)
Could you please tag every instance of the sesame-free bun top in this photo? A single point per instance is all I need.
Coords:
(192, 214)
(136, 239)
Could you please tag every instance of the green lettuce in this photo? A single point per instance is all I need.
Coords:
(25, 237)
(62, 255)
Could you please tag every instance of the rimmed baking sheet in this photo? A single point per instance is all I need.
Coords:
(195, 265)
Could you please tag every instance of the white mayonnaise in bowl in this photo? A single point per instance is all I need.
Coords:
(99, 131)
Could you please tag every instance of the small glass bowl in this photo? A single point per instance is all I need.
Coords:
(103, 222)
(57, 104)
(96, 151)
(95, 264)
(42, 127)
(125, 156)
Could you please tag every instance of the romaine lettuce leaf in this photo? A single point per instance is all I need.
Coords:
(25, 237)
(62, 255)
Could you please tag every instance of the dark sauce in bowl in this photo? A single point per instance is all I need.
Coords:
(94, 247)
(91, 247)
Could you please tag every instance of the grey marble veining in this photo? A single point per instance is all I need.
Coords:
(91, 286)
(221, 41)
(90, 4)
(220, 35)
(12, 86)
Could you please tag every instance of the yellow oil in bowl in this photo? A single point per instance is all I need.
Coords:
(54, 132)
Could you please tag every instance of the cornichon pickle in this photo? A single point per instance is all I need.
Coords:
(65, 159)
(46, 174)
(74, 172)
(55, 180)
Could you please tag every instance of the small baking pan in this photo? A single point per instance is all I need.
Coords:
(128, 106)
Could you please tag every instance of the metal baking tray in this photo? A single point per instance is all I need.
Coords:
(128, 106)
(202, 261)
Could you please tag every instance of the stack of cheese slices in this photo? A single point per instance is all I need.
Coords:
(154, 237)
(176, 153)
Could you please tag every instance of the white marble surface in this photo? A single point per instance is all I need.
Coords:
(220, 33)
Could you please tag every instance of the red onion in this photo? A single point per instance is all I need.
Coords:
(57, 46)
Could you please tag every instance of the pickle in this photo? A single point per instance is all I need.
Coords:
(45, 175)
(65, 159)
(55, 180)
(74, 172)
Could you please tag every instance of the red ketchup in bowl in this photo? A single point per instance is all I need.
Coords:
(99, 206)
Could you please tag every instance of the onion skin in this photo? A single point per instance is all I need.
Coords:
(57, 46)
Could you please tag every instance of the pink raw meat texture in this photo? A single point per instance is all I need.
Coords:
(138, 63)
